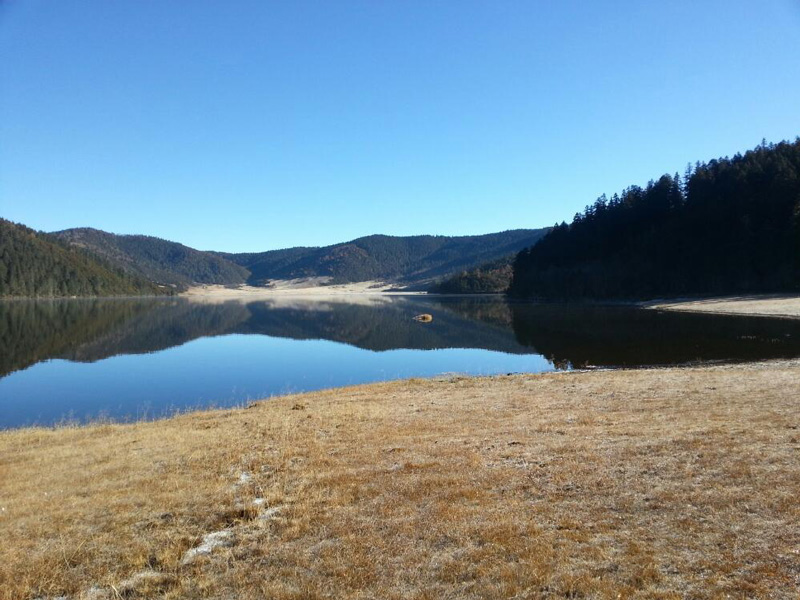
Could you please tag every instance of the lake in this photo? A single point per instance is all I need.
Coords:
(126, 359)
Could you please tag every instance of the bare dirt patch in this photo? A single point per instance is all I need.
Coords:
(312, 287)
(667, 483)
(766, 306)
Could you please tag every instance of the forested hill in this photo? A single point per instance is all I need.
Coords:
(36, 264)
(489, 278)
(407, 260)
(728, 226)
(161, 261)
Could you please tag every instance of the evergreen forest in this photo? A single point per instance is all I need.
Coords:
(38, 265)
(728, 226)
(489, 278)
(160, 261)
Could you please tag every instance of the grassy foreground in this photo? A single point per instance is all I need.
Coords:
(667, 483)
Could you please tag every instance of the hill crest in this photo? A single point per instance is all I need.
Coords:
(409, 260)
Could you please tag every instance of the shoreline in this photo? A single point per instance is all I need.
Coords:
(612, 481)
(783, 306)
(311, 288)
(212, 409)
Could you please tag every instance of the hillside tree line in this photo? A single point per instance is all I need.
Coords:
(37, 265)
(727, 226)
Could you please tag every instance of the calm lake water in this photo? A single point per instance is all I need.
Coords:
(79, 360)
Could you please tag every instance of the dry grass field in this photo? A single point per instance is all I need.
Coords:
(666, 483)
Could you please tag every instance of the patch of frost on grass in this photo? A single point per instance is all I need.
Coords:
(210, 542)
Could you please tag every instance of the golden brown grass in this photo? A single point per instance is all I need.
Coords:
(673, 483)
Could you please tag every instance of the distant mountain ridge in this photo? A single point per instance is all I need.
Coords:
(161, 261)
(92, 262)
(38, 265)
(411, 260)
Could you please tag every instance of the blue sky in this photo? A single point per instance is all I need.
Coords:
(252, 125)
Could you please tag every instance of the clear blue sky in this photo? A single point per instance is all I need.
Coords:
(251, 125)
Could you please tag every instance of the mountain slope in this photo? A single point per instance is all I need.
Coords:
(159, 260)
(407, 260)
(730, 226)
(489, 278)
(35, 264)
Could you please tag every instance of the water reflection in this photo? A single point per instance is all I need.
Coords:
(622, 336)
(91, 330)
(87, 357)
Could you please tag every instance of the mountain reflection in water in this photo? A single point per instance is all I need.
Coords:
(87, 331)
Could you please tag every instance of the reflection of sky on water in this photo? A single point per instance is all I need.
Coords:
(144, 358)
(223, 371)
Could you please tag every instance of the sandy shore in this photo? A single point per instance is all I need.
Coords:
(787, 306)
(315, 287)
(661, 483)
